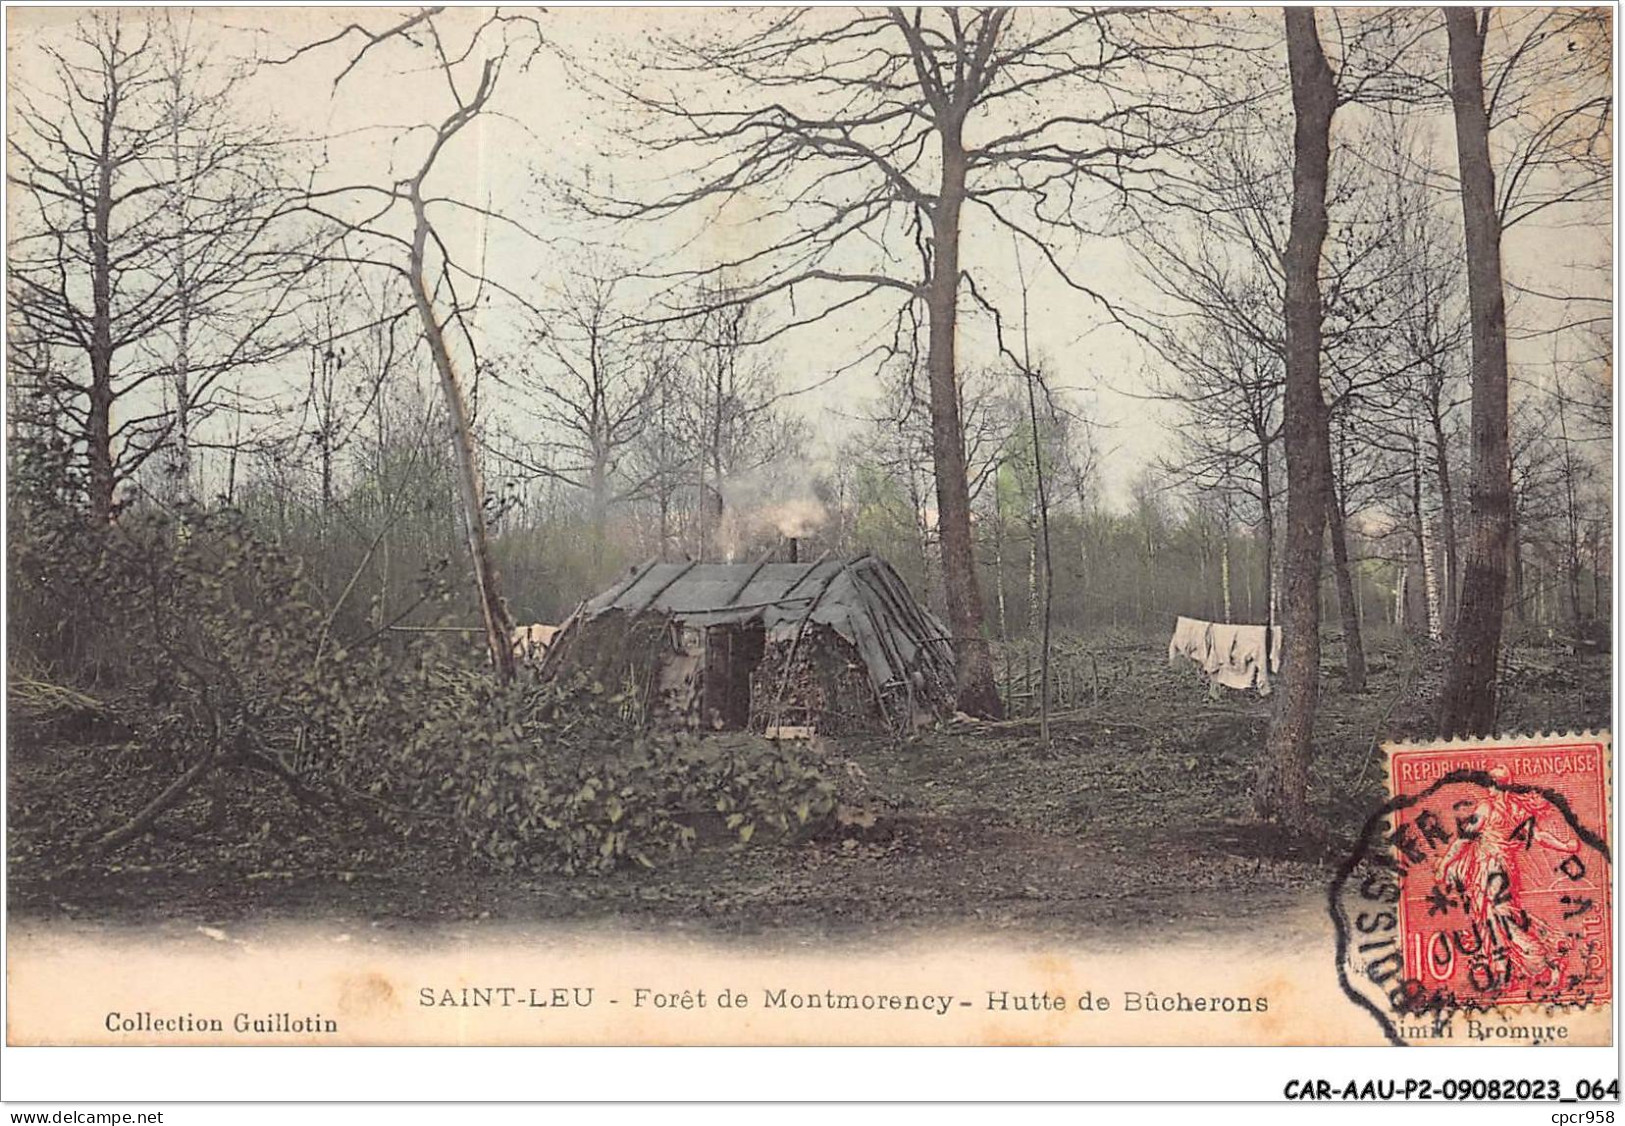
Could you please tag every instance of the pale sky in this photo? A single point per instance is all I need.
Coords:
(546, 125)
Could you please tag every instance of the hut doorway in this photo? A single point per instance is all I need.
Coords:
(731, 652)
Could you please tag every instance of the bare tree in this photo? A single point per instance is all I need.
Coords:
(1222, 338)
(888, 129)
(1574, 479)
(1282, 786)
(662, 458)
(351, 350)
(468, 59)
(1410, 418)
(895, 437)
(1532, 104)
(149, 239)
(1547, 93)
(1468, 703)
(592, 374)
(892, 447)
(1223, 375)
(1034, 380)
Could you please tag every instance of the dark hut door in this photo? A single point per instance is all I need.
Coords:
(731, 652)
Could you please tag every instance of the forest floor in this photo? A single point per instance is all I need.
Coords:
(1137, 817)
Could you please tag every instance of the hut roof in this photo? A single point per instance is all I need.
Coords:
(862, 599)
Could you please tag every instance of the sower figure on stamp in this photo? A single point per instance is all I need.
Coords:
(1486, 866)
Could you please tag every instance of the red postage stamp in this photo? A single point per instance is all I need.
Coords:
(1504, 870)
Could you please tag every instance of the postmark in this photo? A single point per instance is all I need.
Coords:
(1482, 886)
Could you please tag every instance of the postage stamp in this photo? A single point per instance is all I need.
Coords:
(1483, 884)
(1500, 902)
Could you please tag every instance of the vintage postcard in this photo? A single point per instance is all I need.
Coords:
(831, 526)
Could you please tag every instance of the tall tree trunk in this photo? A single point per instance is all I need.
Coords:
(1572, 566)
(1283, 781)
(1041, 490)
(385, 500)
(180, 467)
(665, 523)
(1468, 704)
(715, 453)
(1448, 592)
(1515, 578)
(1571, 513)
(1266, 499)
(978, 695)
(922, 532)
(1348, 606)
(1150, 571)
(1043, 519)
(598, 500)
(323, 372)
(1032, 569)
(327, 476)
(99, 424)
(1433, 619)
(1596, 577)
(998, 562)
(699, 500)
(236, 444)
(1082, 604)
(471, 493)
(1348, 609)
(1204, 552)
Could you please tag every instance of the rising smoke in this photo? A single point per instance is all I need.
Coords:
(761, 508)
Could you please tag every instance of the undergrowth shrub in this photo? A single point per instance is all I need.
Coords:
(222, 656)
(558, 797)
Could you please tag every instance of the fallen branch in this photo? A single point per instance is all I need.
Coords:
(34, 697)
(154, 809)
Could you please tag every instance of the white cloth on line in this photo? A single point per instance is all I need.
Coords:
(1231, 655)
